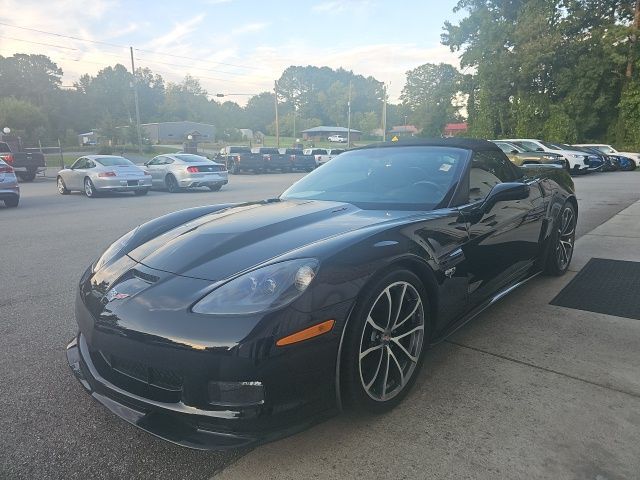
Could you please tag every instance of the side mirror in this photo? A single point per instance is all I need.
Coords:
(147, 163)
(539, 149)
(514, 151)
(504, 192)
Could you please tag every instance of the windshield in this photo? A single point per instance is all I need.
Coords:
(551, 146)
(509, 147)
(113, 161)
(605, 149)
(191, 158)
(402, 178)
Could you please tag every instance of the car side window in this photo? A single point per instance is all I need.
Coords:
(155, 161)
(487, 170)
(80, 163)
(90, 164)
(167, 161)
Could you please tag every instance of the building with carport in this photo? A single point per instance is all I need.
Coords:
(317, 134)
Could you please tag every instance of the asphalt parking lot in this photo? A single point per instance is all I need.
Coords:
(504, 398)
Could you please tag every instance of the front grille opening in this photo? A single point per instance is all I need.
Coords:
(136, 377)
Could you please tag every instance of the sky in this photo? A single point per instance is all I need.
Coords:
(231, 46)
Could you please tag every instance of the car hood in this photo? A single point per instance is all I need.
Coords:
(634, 156)
(221, 244)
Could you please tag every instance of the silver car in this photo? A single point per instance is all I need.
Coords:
(177, 171)
(9, 188)
(94, 174)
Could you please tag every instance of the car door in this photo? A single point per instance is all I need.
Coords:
(165, 168)
(503, 235)
(154, 169)
(76, 174)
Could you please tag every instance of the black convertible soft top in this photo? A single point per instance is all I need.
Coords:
(466, 143)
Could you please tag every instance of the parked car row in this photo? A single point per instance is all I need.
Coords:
(584, 158)
(271, 159)
(96, 174)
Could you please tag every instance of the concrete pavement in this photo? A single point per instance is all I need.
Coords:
(526, 390)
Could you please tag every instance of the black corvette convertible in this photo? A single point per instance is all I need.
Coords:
(228, 325)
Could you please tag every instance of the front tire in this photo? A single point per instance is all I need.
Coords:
(62, 188)
(562, 241)
(385, 342)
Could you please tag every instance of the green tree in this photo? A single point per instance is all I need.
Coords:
(429, 95)
(24, 118)
(260, 111)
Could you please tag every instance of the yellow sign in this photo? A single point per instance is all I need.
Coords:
(394, 139)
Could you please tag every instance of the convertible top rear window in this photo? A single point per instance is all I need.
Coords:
(113, 161)
(411, 178)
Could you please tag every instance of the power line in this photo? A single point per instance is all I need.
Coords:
(38, 43)
(114, 45)
(63, 36)
(189, 66)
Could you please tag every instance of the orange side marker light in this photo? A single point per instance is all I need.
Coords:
(307, 333)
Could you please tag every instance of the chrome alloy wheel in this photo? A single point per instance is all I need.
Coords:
(566, 238)
(88, 188)
(391, 341)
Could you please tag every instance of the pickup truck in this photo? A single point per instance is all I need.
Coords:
(274, 160)
(321, 155)
(239, 159)
(300, 161)
(25, 164)
(337, 139)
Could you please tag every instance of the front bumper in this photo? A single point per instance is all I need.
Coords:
(177, 423)
(299, 380)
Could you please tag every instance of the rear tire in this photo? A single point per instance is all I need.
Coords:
(62, 188)
(385, 342)
(89, 188)
(561, 244)
(12, 202)
(172, 184)
(234, 169)
(26, 176)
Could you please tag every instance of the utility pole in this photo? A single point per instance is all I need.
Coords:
(275, 89)
(135, 97)
(294, 123)
(349, 118)
(384, 113)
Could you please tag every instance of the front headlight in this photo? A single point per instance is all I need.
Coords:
(261, 290)
(114, 249)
